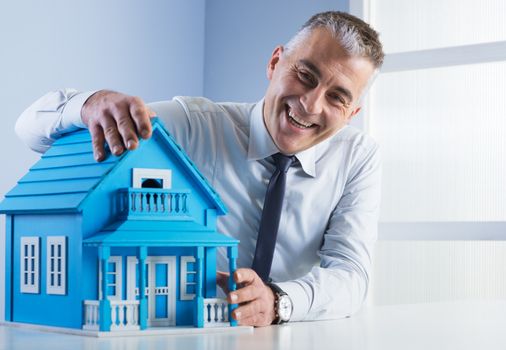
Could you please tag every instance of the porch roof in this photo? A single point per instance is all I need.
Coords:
(159, 238)
(159, 233)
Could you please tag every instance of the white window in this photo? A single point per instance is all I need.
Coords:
(151, 178)
(56, 265)
(29, 267)
(188, 278)
(437, 110)
(114, 278)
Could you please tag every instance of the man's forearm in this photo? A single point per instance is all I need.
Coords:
(326, 293)
(53, 114)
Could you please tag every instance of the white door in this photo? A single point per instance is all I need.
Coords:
(160, 291)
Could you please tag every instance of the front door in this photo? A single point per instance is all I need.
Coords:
(160, 288)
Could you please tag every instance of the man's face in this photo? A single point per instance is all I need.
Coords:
(313, 91)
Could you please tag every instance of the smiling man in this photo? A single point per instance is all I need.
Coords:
(308, 256)
(314, 90)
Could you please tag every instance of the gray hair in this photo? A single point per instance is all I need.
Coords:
(355, 36)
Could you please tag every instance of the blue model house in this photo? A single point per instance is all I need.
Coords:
(126, 244)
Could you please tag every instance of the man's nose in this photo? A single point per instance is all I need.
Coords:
(313, 101)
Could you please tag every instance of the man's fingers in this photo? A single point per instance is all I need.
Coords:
(222, 280)
(250, 309)
(112, 135)
(126, 129)
(245, 276)
(244, 294)
(117, 119)
(259, 320)
(141, 117)
(98, 139)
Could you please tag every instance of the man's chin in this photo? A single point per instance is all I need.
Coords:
(291, 148)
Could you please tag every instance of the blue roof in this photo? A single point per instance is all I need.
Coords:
(67, 173)
(145, 232)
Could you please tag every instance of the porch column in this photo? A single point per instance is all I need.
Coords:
(105, 305)
(198, 315)
(142, 254)
(232, 266)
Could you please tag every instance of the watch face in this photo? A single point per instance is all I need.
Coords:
(284, 308)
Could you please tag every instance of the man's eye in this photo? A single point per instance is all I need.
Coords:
(306, 78)
(338, 99)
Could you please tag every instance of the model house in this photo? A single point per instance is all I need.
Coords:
(129, 243)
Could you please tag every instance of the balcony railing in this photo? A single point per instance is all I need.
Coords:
(153, 201)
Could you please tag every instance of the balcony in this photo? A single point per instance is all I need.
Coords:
(153, 202)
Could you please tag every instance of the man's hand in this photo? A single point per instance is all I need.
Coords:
(117, 119)
(255, 299)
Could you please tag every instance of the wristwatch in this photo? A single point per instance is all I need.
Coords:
(283, 306)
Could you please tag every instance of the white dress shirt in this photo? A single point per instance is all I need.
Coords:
(329, 221)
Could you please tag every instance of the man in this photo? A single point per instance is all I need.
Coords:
(327, 226)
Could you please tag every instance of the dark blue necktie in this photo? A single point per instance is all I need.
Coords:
(269, 224)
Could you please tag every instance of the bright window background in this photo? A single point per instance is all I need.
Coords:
(443, 138)
(441, 128)
(427, 24)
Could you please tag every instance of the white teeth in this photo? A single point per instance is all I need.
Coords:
(298, 120)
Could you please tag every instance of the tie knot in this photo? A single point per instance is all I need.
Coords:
(283, 162)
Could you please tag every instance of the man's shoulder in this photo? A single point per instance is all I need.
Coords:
(195, 104)
(355, 138)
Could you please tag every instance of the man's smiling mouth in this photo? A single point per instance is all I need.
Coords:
(297, 121)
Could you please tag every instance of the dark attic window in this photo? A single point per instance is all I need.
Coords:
(152, 183)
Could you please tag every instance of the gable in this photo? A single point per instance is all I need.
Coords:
(67, 173)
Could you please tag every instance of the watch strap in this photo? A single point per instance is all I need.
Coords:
(278, 292)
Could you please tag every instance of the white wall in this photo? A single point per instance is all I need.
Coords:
(154, 49)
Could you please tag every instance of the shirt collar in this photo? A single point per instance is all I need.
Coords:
(262, 146)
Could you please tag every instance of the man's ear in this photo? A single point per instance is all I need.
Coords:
(354, 113)
(273, 61)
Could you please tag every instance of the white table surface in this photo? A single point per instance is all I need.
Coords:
(454, 325)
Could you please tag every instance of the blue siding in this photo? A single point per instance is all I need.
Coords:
(9, 265)
(210, 273)
(42, 308)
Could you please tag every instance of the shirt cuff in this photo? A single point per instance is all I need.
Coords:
(71, 114)
(299, 297)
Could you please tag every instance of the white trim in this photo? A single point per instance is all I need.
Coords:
(183, 286)
(118, 284)
(138, 174)
(444, 57)
(29, 277)
(56, 265)
(131, 277)
(151, 261)
(442, 231)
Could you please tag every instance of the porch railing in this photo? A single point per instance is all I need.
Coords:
(91, 315)
(215, 312)
(153, 201)
(124, 315)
